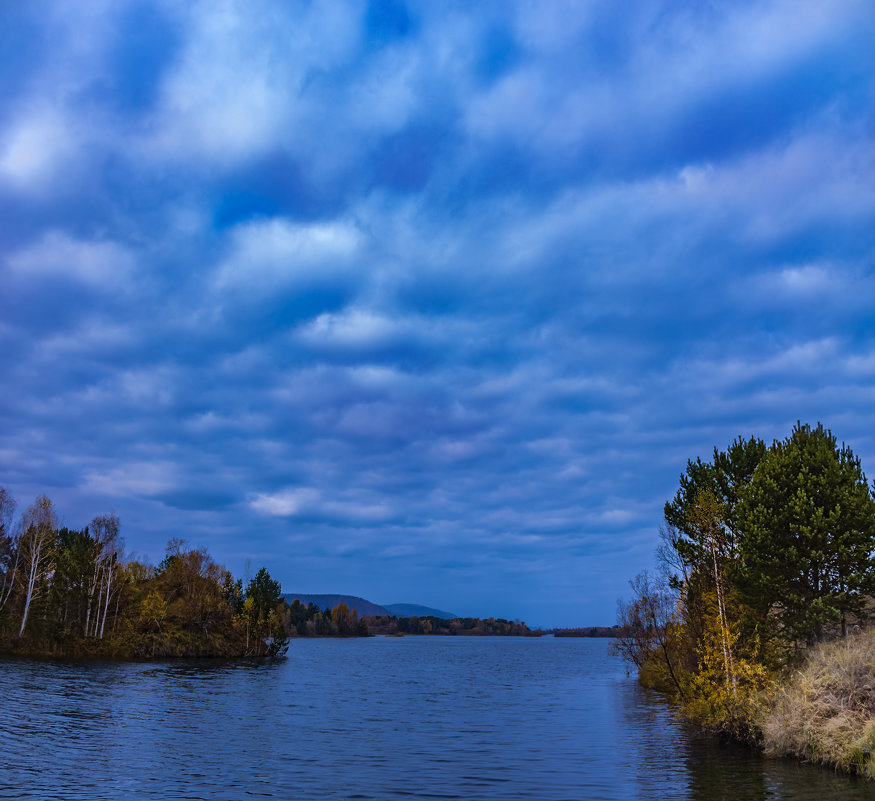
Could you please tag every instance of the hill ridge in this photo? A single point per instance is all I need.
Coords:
(409, 610)
(365, 607)
(330, 600)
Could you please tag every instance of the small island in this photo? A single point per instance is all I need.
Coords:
(72, 593)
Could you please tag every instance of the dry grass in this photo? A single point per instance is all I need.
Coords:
(825, 712)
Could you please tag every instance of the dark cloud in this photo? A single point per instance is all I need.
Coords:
(427, 302)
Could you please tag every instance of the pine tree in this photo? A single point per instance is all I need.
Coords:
(725, 478)
(809, 535)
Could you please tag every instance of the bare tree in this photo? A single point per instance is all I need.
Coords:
(647, 623)
(38, 528)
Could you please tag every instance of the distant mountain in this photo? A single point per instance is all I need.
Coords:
(409, 610)
(330, 601)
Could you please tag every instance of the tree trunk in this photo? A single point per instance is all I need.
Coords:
(724, 628)
(118, 597)
(31, 583)
(97, 612)
(106, 605)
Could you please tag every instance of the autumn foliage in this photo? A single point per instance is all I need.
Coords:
(67, 592)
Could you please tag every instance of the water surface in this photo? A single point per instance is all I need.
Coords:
(379, 718)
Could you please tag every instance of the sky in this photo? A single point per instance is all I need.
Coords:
(427, 302)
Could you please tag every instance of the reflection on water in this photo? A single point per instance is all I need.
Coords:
(382, 718)
(721, 769)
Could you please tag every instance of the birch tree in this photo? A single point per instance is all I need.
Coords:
(38, 528)
(706, 519)
(108, 553)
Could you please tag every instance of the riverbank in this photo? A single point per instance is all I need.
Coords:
(820, 710)
(136, 647)
(824, 711)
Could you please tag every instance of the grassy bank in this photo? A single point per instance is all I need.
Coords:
(820, 709)
(824, 711)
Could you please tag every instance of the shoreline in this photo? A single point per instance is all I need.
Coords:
(819, 712)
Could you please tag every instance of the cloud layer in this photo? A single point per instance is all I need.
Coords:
(427, 302)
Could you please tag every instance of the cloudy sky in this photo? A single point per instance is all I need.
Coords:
(427, 302)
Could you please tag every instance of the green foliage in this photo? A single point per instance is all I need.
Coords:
(232, 592)
(74, 566)
(809, 533)
(264, 592)
(724, 480)
(260, 613)
(279, 644)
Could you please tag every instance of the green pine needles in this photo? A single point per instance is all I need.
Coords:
(808, 523)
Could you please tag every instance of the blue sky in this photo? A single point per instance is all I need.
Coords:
(427, 302)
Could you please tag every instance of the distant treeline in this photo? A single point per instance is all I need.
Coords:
(590, 631)
(310, 621)
(463, 626)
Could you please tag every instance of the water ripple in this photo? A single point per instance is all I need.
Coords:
(383, 718)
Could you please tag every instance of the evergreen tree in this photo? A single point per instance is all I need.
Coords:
(702, 535)
(279, 645)
(9, 552)
(265, 593)
(70, 582)
(809, 535)
(725, 478)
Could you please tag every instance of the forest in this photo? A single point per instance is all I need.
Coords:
(755, 622)
(72, 592)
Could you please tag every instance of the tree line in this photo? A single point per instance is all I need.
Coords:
(765, 551)
(74, 592)
(311, 621)
(458, 626)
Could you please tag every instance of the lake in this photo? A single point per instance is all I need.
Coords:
(377, 718)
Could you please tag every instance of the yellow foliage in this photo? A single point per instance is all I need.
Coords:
(725, 691)
(153, 609)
